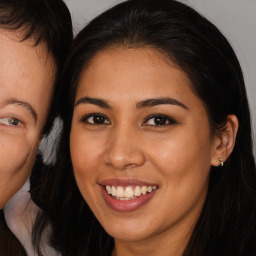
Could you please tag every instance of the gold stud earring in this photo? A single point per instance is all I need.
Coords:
(221, 162)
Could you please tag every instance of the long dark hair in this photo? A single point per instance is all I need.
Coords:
(227, 224)
(43, 21)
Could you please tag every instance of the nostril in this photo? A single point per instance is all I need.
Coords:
(121, 166)
(125, 162)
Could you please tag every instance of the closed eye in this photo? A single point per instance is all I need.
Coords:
(159, 120)
(10, 121)
(96, 119)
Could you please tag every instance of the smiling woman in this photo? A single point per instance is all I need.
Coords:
(133, 156)
(161, 152)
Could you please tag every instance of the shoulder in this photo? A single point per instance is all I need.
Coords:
(20, 215)
(9, 244)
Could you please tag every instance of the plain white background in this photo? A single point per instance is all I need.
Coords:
(235, 18)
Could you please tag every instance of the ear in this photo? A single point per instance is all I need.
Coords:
(224, 141)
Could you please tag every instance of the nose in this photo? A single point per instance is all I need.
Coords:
(125, 149)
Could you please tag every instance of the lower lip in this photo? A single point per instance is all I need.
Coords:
(125, 205)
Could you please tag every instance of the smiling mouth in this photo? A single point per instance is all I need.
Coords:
(129, 192)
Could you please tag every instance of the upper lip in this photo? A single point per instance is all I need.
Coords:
(125, 182)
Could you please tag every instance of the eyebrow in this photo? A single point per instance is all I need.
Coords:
(25, 105)
(99, 102)
(160, 101)
(142, 104)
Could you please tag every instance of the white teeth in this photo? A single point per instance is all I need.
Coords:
(144, 190)
(119, 192)
(113, 193)
(109, 189)
(137, 191)
(124, 198)
(128, 193)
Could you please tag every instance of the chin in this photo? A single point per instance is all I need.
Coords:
(130, 231)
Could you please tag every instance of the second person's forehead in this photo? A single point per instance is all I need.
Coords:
(127, 66)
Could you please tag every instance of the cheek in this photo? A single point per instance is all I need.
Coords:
(16, 161)
(183, 165)
(85, 154)
(84, 160)
(13, 153)
(182, 155)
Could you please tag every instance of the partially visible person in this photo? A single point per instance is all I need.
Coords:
(35, 36)
(157, 130)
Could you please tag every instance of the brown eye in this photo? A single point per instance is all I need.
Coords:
(159, 120)
(97, 119)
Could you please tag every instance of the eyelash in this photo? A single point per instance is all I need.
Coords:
(166, 119)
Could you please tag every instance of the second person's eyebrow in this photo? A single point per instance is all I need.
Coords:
(142, 104)
(160, 101)
(99, 102)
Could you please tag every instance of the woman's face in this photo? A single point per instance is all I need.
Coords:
(141, 145)
(27, 75)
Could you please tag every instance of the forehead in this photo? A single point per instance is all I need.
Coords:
(24, 57)
(145, 69)
(27, 72)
